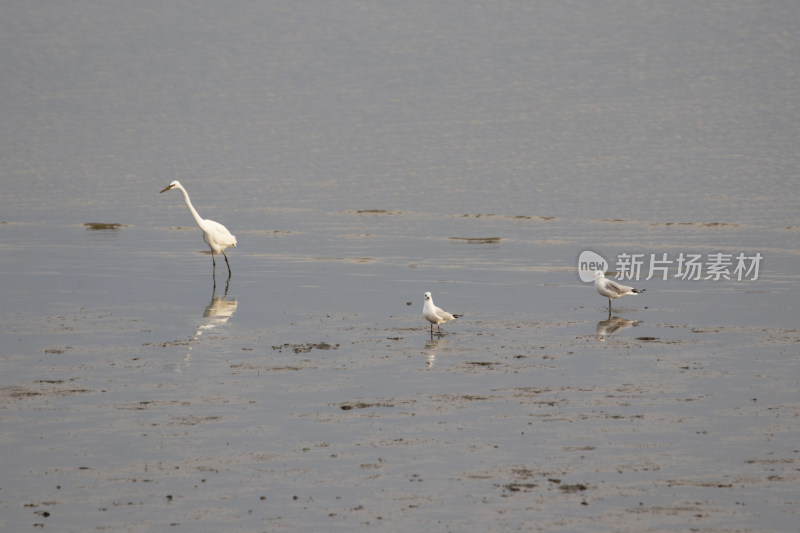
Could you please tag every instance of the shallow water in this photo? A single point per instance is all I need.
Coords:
(364, 154)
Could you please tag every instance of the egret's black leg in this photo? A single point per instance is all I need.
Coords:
(226, 262)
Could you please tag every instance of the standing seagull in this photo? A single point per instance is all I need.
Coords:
(216, 235)
(611, 289)
(435, 315)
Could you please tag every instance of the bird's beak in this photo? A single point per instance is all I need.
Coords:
(168, 187)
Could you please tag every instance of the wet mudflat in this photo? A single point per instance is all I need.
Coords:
(364, 154)
(264, 410)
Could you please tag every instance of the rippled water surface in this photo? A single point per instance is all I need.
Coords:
(364, 154)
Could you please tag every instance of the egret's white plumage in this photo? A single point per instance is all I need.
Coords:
(435, 315)
(611, 289)
(216, 235)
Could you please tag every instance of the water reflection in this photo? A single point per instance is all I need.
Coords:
(606, 328)
(431, 347)
(217, 313)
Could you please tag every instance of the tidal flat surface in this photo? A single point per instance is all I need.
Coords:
(364, 154)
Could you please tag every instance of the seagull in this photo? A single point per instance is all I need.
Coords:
(611, 289)
(435, 315)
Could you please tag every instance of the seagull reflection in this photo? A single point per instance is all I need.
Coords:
(606, 328)
(430, 348)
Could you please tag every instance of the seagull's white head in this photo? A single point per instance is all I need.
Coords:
(172, 185)
(427, 296)
(599, 274)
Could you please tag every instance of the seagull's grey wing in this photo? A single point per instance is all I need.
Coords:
(617, 288)
(444, 314)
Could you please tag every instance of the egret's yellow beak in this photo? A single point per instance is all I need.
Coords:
(168, 187)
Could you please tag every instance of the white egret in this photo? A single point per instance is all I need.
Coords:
(434, 314)
(216, 235)
(611, 289)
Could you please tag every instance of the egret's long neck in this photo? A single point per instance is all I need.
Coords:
(191, 207)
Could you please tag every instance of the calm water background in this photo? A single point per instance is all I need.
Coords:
(364, 153)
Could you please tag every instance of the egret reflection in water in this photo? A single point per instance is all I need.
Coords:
(217, 312)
